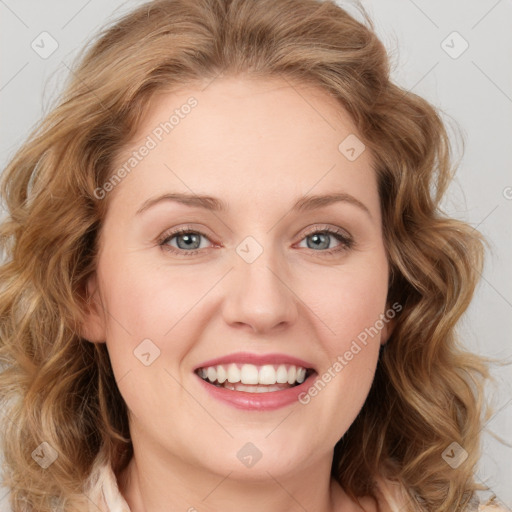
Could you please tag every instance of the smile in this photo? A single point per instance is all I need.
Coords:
(255, 382)
(251, 378)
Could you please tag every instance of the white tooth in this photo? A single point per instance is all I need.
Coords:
(211, 374)
(292, 374)
(233, 373)
(274, 388)
(301, 375)
(282, 374)
(251, 389)
(242, 387)
(267, 374)
(221, 374)
(249, 374)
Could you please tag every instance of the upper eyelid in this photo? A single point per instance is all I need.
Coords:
(170, 234)
(325, 228)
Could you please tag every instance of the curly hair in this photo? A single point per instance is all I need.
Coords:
(57, 387)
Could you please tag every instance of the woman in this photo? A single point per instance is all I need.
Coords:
(228, 283)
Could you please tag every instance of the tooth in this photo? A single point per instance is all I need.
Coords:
(249, 374)
(301, 375)
(233, 373)
(221, 374)
(267, 374)
(211, 374)
(282, 374)
(274, 388)
(292, 374)
(254, 389)
(251, 389)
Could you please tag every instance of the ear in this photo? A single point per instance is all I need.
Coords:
(93, 323)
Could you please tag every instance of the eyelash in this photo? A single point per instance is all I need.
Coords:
(346, 241)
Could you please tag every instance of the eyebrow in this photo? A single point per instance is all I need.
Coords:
(305, 203)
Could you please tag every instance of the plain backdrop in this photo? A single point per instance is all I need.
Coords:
(455, 54)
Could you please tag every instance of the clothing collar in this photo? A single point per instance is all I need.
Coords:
(104, 495)
(103, 491)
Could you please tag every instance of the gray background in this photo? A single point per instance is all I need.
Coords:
(473, 90)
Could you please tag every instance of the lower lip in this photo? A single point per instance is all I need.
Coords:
(258, 401)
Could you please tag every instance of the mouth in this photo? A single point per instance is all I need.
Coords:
(252, 378)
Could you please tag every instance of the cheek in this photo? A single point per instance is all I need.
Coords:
(348, 301)
(350, 306)
(146, 325)
(150, 300)
(147, 302)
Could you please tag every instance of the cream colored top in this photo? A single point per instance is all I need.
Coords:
(104, 495)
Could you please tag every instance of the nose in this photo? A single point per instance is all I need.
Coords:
(259, 295)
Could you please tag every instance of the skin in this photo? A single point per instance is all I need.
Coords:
(258, 145)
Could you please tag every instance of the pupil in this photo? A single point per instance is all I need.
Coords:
(324, 244)
(190, 238)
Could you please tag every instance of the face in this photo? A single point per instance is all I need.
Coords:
(263, 274)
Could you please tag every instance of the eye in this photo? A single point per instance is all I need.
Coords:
(186, 241)
(322, 239)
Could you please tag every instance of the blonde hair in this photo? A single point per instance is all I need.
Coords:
(58, 388)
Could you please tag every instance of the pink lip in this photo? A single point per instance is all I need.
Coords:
(256, 359)
(258, 401)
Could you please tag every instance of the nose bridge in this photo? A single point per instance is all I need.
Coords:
(259, 296)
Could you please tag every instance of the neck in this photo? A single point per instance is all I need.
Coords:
(152, 484)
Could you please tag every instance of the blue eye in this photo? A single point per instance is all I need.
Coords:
(188, 241)
(322, 240)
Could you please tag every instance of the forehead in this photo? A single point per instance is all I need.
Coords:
(269, 138)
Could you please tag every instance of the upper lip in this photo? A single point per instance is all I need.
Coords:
(256, 359)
